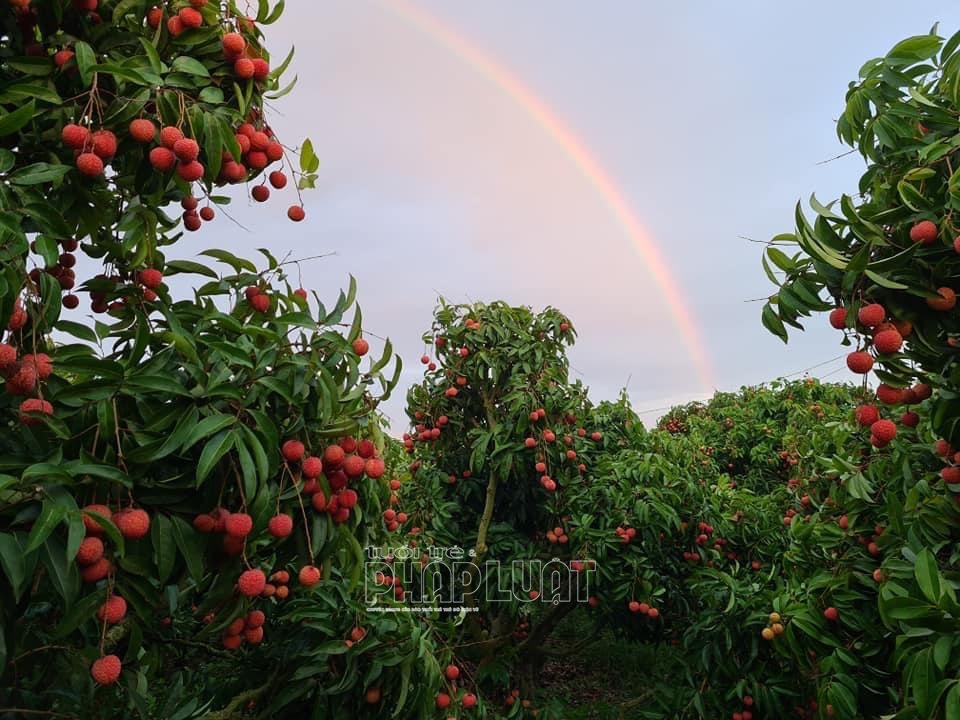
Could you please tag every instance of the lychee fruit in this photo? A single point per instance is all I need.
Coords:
(151, 278)
(278, 179)
(113, 610)
(90, 523)
(243, 68)
(104, 144)
(186, 149)
(333, 456)
(89, 164)
(239, 525)
(133, 523)
(190, 17)
(251, 582)
(887, 342)
(31, 407)
(360, 346)
(106, 670)
(96, 571)
(74, 136)
(924, 232)
(260, 193)
(293, 451)
(872, 315)
(946, 301)
(884, 430)
(142, 130)
(889, 395)
(233, 44)
(169, 135)
(309, 575)
(311, 468)
(860, 362)
(922, 391)
(253, 635)
(296, 213)
(191, 171)
(280, 526)
(261, 69)
(354, 466)
(162, 159)
(41, 364)
(260, 303)
(867, 415)
(90, 550)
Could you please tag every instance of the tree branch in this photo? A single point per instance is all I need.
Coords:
(239, 700)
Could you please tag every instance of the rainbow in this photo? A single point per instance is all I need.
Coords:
(584, 160)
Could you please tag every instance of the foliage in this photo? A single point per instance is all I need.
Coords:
(888, 259)
(169, 546)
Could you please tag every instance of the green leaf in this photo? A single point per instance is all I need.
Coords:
(76, 531)
(928, 575)
(82, 611)
(86, 61)
(38, 66)
(912, 197)
(919, 47)
(951, 705)
(212, 95)
(773, 323)
(38, 173)
(63, 572)
(309, 162)
(238, 264)
(78, 330)
(859, 487)
(51, 515)
(11, 122)
(12, 563)
(153, 56)
(175, 267)
(189, 65)
(164, 546)
(213, 452)
(780, 259)
(191, 546)
(885, 282)
(207, 427)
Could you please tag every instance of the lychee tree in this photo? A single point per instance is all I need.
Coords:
(885, 263)
(506, 453)
(185, 483)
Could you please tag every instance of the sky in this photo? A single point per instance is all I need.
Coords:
(710, 121)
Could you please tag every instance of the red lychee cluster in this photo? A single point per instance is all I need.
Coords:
(745, 713)
(92, 149)
(340, 464)
(133, 524)
(384, 580)
(22, 376)
(557, 536)
(393, 519)
(62, 271)
(643, 608)
(950, 474)
(245, 629)
(235, 527)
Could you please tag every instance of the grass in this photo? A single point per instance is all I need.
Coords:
(608, 679)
